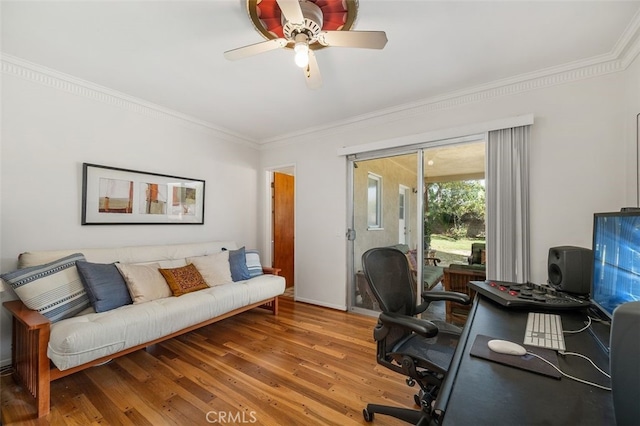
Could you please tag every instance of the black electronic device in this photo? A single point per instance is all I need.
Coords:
(569, 269)
(625, 352)
(527, 296)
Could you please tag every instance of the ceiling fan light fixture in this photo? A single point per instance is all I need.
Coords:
(301, 49)
(300, 25)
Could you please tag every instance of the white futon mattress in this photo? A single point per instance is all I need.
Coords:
(81, 339)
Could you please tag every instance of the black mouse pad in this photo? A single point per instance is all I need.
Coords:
(527, 362)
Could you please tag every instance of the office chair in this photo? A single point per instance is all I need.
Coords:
(417, 348)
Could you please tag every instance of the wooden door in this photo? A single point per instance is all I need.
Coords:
(283, 225)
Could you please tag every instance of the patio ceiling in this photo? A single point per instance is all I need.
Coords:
(449, 163)
(455, 162)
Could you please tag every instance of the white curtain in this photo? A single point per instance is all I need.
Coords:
(508, 204)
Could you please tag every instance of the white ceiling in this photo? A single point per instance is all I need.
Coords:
(170, 53)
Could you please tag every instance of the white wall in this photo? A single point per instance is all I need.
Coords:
(632, 130)
(320, 207)
(579, 165)
(47, 133)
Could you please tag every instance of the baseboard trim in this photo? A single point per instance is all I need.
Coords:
(319, 303)
(5, 362)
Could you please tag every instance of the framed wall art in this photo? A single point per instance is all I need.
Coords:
(111, 196)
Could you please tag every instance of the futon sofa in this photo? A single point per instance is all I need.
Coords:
(89, 325)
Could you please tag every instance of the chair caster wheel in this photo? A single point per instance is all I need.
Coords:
(410, 382)
(368, 417)
(417, 400)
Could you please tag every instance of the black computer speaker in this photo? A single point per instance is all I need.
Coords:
(623, 362)
(569, 269)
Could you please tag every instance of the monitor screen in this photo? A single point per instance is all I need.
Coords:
(616, 260)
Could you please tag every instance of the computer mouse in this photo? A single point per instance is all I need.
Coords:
(506, 347)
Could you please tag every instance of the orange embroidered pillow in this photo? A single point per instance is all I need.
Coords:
(183, 280)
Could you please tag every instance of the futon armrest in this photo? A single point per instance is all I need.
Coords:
(272, 271)
(450, 296)
(30, 318)
(422, 327)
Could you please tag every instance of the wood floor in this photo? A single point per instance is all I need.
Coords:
(307, 366)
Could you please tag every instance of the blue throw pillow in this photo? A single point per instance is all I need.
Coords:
(104, 285)
(238, 265)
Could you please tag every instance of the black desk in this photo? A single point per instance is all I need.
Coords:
(481, 392)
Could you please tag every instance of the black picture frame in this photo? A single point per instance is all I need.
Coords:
(116, 196)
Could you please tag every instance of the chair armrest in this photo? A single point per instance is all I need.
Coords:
(419, 326)
(432, 261)
(31, 319)
(272, 271)
(450, 296)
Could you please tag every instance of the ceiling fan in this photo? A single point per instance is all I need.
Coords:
(305, 26)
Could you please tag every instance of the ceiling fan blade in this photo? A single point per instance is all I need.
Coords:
(291, 11)
(363, 39)
(312, 73)
(255, 49)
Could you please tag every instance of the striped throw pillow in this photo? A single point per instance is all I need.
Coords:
(53, 289)
(253, 263)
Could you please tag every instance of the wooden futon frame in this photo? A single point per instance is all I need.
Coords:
(32, 368)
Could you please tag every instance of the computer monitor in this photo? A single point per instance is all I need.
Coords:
(616, 260)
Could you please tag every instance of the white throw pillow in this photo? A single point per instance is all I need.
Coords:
(214, 268)
(145, 282)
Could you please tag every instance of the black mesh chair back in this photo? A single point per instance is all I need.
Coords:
(389, 276)
(417, 348)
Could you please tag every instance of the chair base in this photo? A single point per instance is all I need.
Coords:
(416, 417)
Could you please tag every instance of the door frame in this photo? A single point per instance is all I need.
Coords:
(268, 216)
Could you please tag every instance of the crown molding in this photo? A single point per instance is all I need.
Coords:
(30, 71)
(626, 49)
(628, 45)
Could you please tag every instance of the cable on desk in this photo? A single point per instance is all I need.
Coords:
(597, 316)
(588, 359)
(581, 330)
(569, 376)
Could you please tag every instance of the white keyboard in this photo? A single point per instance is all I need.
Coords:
(544, 330)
